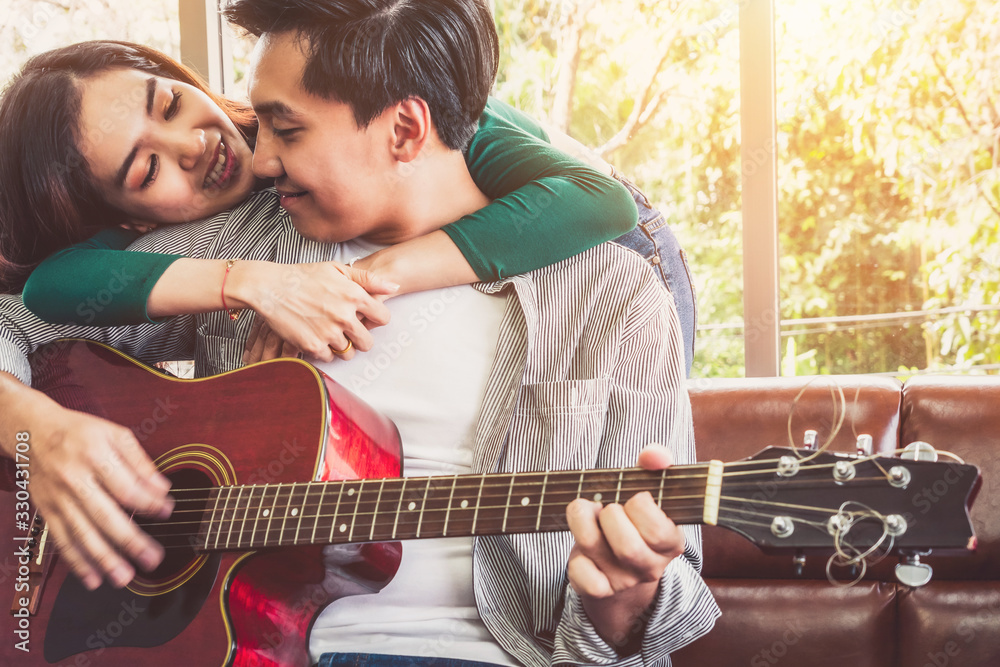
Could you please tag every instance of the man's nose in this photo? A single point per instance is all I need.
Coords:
(266, 163)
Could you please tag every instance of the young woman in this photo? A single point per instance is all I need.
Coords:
(195, 160)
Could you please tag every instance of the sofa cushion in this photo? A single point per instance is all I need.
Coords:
(736, 418)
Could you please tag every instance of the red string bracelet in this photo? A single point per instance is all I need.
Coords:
(233, 312)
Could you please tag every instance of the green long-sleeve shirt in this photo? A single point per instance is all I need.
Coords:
(566, 205)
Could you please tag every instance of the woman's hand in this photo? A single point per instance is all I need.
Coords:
(620, 554)
(88, 475)
(323, 309)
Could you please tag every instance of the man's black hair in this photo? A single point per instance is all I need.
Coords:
(371, 54)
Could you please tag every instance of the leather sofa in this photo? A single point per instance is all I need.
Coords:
(774, 616)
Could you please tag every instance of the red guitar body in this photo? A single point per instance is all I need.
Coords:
(280, 421)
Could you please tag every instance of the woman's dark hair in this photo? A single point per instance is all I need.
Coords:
(371, 54)
(48, 197)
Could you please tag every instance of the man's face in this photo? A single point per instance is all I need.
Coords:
(331, 175)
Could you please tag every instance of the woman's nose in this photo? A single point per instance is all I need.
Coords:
(190, 147)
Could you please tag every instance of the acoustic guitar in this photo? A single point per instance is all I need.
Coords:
(273, 461)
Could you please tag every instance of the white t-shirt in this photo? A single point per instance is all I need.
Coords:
(427, 372)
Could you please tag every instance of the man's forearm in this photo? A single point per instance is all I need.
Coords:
(19, 405)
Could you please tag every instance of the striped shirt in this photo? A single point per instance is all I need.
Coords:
(589, 368)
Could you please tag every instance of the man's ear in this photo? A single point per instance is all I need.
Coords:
(411, 128)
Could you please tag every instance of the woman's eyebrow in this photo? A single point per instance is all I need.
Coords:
(127, 164)
(150, 94)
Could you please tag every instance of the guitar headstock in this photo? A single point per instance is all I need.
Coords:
(851, 506)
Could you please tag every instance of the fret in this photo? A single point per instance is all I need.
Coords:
(211, 520)
(285, 509)
(355, 494)
(618, 490)
(236, 509)
(399, 507)
(301, 510)
(371, 534)
(506, 508)
(579, 486)
(447, 514)
(319, 512)
(541, 501)
(229, 492)
(420, 521)
(246, 510)
(659, 498)
(479, 501)
(269, 513)
(336, 512)
(256, 518)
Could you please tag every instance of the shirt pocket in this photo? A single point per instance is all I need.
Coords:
(214, 354)
(560, 424)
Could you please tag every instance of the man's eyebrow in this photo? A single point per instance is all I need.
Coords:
(274, 108)
(127, 164)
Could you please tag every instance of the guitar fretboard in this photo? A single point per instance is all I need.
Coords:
(240, 518)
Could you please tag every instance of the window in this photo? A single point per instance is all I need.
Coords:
(831, 168)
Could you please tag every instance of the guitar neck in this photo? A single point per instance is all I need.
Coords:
(239, 518)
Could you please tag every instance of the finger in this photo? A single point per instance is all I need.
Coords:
(374, 311)
(132, 491)
(359, 336)
(150, 484)
(89, 539)
(345, 351)
(272, 346)
(656, 528)
(633, 558)
(254, 351)
(372, 283)
(655, 457)
(248, 356)
(289, 350)
(582, 519)
(586, 577)
(78, 563)
(121, 534)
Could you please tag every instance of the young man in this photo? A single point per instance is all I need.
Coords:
(364, 107)
(573, 338)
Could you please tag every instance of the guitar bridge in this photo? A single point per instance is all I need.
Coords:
(33, 559)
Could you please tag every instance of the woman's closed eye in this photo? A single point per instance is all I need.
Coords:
(172, 108)
(154, 167)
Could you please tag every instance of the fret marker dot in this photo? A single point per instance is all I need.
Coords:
(266, 512)
(295, 512)
(465, 503)
(343, 527)
(597, 497)
(411, 506)
(350, 492)
(525, 500)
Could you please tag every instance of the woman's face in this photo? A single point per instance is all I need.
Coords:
(161, 150)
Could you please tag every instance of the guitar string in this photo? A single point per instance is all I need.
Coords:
(517, 479)
(299, 493)
(219, 524)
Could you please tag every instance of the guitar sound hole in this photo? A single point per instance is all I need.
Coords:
(179, 532)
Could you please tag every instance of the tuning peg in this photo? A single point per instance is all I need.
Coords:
(864, 445)
(911, 572)
(919, 450)
(809, 439)
(798, 562)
